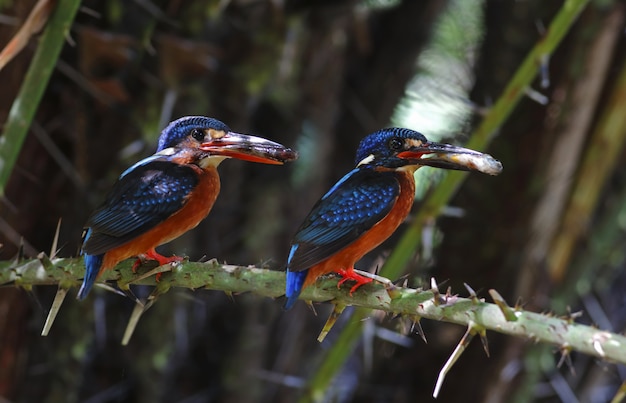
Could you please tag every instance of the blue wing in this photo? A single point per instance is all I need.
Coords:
(142, 198)
(353, 206)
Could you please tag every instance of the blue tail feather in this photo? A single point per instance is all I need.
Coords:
(93, 263)
(295, 279)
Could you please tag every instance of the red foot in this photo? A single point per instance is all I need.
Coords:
(153, 255)
(136, 265)
(349, 274)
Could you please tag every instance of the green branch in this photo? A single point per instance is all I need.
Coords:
(415, 304)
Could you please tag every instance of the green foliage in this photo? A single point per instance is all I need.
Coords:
(35, 82)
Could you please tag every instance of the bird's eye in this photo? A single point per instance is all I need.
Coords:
(197, 134)
(396, 144)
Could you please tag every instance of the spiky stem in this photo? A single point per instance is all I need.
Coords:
(543, 328)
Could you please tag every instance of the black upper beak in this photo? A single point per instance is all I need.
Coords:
(447, 156)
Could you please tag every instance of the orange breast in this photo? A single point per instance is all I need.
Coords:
(347, 257)
(197, 207)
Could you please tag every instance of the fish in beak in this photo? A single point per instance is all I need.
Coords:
(447, 156)
(249, 148)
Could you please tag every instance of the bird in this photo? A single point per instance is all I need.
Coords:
(368, 204)
(168, 193)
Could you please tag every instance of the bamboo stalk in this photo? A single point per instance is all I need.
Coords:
(599, 163)
(35, 82)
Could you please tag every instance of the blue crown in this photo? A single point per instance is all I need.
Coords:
(180, 128)
(377, 143)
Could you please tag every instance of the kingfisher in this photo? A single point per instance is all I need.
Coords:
(165, 195)
(367, 205)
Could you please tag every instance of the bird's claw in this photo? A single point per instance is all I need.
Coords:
(136, 265)
(154, 255)
(160, 259)
(351, 275)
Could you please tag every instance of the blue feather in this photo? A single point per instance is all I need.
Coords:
(92, 268)
(154, 157)
(143, 198)
(352, 207)
(295, 279)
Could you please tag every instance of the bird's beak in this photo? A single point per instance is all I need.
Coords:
(447, 156)
(249, 148)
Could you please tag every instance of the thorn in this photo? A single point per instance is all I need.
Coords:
(572, 316)
(230, 296)
(45, 261)
(460, 348)
(472, 294)
(483, 338)
(393, 292)
(55, 241)
(138, 311)
(471, 291)
(417, 326)
(566, 358)
(126, 291)
(122, 290)
(311, 307)
(54, 310)
(437, 299)
(509, 314)
(334, 315)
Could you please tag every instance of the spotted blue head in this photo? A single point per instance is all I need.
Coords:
(182, 128)
(398, 147)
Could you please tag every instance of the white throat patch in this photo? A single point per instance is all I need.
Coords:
(211, 160)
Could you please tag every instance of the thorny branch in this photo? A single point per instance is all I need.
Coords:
(472, 312)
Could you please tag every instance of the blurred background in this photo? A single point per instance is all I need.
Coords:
(318, 75)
